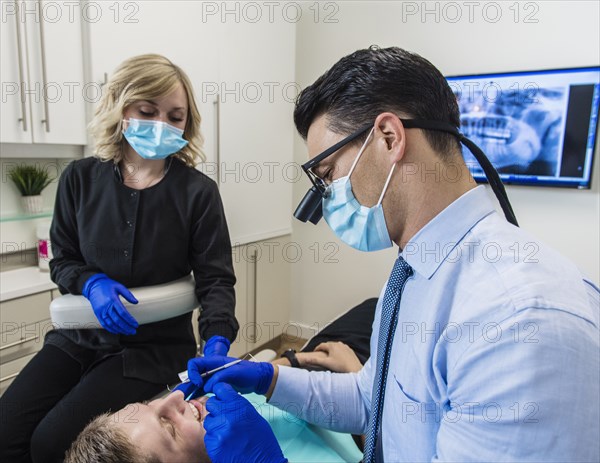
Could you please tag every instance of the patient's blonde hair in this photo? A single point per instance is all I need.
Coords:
(143, 77)
(101, 441)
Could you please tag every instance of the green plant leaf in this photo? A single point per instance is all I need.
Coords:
(30, 180)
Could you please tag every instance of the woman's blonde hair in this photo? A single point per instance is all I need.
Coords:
(143, 77)
(101, 441)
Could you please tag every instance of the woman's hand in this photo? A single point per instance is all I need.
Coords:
(104, 295)
(217, 345)
(332, 356)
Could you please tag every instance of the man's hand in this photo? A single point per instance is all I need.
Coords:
(236, 432)
(245, 376)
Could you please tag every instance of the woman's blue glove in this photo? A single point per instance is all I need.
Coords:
(217, 345)
(103, 293)
(236, 432)
(190, 390)
(245, 376)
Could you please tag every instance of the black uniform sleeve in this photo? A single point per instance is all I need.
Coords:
(213, 269)
(68, 268)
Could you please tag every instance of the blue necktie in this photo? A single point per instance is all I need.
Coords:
(387, 328)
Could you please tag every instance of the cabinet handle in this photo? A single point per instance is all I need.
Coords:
(254, 296)
(6, 378)
(18, 343)
(23, 119)
(217, 104)
(46, 119)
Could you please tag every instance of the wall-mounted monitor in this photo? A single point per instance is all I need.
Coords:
(537, 127)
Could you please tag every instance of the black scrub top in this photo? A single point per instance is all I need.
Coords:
(142, 238)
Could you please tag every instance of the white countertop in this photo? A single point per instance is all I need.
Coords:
(23, 282)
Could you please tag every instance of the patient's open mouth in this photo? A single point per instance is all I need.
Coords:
(195, 411)
(198, 409)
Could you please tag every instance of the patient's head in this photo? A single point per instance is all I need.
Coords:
(164, 430)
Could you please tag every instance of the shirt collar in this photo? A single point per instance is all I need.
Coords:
(117, 169)
(428, 249)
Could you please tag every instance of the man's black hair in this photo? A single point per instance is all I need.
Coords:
(368, 82)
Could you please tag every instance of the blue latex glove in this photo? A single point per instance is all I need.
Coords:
(103, 293)
(236, 432)
(217, 345)
(190, 390)
(245, 376)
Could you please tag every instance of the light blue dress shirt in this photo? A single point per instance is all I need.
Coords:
(496, 355)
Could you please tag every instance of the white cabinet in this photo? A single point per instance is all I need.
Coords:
(257, 92)
(262, 292)
(25, 322)
(243, 77)
(42, 73)
(240, 345)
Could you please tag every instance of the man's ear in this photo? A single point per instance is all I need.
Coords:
(390, 130)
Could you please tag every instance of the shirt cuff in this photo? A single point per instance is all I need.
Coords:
(292, 383)
(219, 329)
(85, 276)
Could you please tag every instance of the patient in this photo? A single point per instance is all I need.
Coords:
(170, 430)
(166, 430)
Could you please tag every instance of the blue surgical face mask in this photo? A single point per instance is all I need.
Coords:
(154, 139)
(358, 226)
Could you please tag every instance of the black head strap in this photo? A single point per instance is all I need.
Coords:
(488, 169)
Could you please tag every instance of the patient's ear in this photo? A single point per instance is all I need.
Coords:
(391, 134)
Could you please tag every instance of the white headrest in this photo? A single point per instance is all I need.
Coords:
(155, 303)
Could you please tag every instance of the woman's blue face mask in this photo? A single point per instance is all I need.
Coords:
(358, 226)
(153, 139)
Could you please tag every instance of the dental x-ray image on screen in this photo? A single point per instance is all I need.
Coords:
(535, 127)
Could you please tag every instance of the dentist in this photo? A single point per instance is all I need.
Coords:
(475, 355)
(137, 213)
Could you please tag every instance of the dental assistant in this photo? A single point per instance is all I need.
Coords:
(135, 214)
(475, 356)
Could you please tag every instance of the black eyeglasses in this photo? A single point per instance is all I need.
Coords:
(311, 207)
(308, 166)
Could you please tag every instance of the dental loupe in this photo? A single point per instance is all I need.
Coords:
(311, 207)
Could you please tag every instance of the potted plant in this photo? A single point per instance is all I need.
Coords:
(31, 180)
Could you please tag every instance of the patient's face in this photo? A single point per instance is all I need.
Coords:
(170, 428)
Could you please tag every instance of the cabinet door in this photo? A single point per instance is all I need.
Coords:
(169, 28)
(25, 321)
(15, 120)
(240, 346)
(270, 277)
(256, 138)
(55, 61)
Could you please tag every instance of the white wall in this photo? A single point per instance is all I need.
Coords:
(565, 35)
